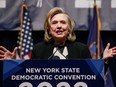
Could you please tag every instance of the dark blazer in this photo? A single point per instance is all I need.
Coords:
(76, 50)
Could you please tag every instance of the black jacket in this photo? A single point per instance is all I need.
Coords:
(76, 50)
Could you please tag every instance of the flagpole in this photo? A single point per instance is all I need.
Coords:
(99, 27)
(21, 32)
(21, 39)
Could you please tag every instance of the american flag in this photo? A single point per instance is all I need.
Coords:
(25, 41)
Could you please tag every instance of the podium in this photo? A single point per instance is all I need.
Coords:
(53, 73)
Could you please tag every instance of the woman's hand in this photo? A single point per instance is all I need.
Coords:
(109, 52)
(6, 54)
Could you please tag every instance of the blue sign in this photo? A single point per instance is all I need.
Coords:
(53, 73)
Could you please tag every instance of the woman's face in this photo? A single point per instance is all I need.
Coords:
(59, 27)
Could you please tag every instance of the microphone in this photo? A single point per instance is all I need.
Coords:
(57, 54)
(55, 57)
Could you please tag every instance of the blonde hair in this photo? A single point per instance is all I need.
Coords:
(57, 10)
